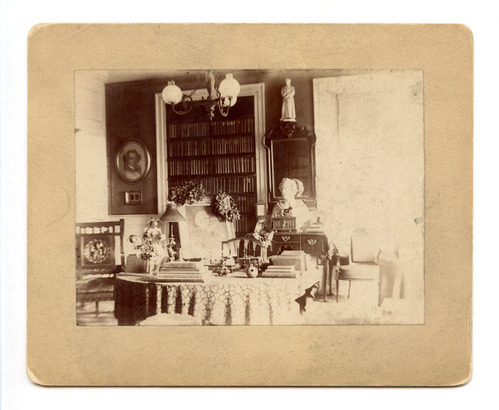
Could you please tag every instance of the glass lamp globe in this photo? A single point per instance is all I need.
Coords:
(172, 94)
(229, 87)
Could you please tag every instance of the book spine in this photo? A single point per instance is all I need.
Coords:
(279, 275)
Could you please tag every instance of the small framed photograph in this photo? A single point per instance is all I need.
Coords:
(133, 161)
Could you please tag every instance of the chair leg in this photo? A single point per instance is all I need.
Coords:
(349, 286)
(96, 308)
(331, 274)
(337, 289)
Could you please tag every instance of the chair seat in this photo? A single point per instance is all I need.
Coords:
(95, 289)
(359, 271)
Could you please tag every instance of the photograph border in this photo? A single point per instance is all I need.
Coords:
(440, 350)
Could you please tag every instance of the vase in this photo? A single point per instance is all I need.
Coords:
(252, 271)
(152, 267)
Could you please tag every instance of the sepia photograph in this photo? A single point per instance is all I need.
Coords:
(328, 164)
(256, 222)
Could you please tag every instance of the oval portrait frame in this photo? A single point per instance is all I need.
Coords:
(133, 174)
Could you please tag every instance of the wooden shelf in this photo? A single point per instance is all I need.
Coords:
(242, 155)
(230, 139)
(197, 176)
(212, 137)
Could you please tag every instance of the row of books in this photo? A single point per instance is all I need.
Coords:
(188, 148)
(245, 203)
(198, 129)
(239, 125)
(219, 146)
(244, 225)
(237, 145)
(234, 165)
(206, 166)
(226, 184)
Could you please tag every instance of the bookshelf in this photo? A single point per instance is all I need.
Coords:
(221, 154)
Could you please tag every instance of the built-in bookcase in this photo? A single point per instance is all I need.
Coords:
(221, 154)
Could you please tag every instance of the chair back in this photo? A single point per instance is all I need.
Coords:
(242, 247)
(363, 247)
(99, 249)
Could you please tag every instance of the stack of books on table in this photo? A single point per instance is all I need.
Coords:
(181, 271)
(315, 228)
(279, 271)
(291, 258)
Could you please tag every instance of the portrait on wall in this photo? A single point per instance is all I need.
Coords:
(133, 161)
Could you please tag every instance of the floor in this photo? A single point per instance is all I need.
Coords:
(85, 314)
(360, 309)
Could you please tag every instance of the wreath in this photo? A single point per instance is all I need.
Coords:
(190, 192)
(225, 207)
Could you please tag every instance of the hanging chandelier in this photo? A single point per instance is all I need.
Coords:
(222, 97)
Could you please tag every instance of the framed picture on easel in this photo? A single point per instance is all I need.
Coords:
(203, 232)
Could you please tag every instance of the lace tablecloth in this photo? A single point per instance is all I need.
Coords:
(231, 300)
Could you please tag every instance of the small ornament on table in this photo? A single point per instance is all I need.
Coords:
(227, 263)
(254, 267)
(224, 269)
(170, 250)
(264, 240)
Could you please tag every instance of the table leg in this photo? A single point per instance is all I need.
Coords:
(159, 290)
(324, 278)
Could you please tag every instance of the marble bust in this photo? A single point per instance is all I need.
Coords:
(291, 206)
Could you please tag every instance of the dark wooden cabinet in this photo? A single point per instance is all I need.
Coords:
(314, 244)
(291, 154)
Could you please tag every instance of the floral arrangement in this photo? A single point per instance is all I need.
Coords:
(190, 192)
(187, 193)
(225, 207)
(264, 238)
(150, 244)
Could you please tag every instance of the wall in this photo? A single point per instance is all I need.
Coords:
(134, 114)
(90, 148)
(143, 93)
(91, 167)
(370, 155)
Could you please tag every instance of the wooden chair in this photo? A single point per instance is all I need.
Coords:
(99, 256)
(362, 261)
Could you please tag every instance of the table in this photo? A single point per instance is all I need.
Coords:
(312, 243)
(232, 300)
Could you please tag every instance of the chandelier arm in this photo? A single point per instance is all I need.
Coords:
(185, 106)
(224, 110)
